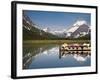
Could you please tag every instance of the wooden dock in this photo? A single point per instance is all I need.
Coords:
(74, 47)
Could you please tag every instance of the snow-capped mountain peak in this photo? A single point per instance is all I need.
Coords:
(80, 22)
(76, 25)
(79, 28)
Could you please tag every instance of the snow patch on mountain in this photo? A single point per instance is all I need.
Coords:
(80, 22)
(76, 25)
(73, 29)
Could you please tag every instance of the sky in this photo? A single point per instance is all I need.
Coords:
(56, 20)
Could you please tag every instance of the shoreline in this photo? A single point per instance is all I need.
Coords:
(54, 41)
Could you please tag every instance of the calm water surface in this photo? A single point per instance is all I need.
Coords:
(37, 56)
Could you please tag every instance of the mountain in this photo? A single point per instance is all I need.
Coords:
(79, 29)
(31, 32)
(60, 34)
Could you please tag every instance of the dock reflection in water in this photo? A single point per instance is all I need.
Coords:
(49, 56)
(78, 55)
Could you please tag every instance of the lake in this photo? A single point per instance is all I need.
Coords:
(37, 56)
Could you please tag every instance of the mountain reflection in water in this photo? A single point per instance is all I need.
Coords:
(48, 56)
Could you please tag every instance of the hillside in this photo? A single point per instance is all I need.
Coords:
(30, 32)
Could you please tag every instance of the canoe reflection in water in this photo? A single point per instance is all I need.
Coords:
(49, 56)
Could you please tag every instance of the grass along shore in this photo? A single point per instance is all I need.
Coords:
(55, 41)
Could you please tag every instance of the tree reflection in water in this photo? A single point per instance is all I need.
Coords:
(30, 52)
